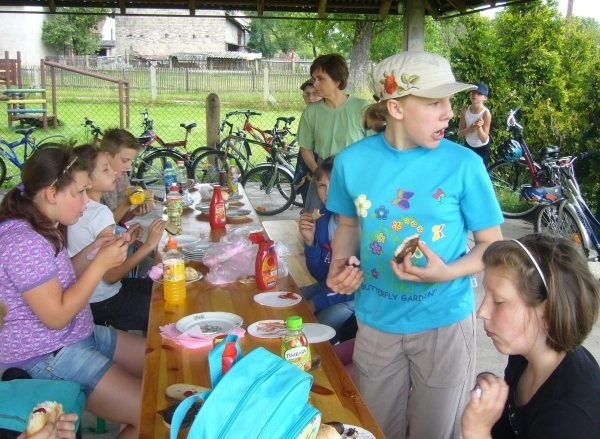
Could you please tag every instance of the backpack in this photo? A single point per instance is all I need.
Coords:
(261, 396)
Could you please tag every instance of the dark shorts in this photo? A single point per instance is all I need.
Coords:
(128, 309)
(481, 151)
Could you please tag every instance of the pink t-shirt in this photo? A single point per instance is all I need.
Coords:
(28, 260)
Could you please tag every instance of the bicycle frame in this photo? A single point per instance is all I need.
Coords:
(7, 149)
(516, 131)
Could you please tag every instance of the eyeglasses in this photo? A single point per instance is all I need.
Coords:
(65, 171)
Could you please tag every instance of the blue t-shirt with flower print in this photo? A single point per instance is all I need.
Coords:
(440, 194)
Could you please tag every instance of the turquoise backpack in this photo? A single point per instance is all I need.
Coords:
(262, 396)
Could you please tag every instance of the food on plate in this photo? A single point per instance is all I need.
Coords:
(337, 425)
(191, 274)
(272, 327)
(316, 214)
(407, 247)
(288, 295)
(354, 261)
(326, 431)
(178, 392)
(352, 433)
(44, 412)
(168, 413)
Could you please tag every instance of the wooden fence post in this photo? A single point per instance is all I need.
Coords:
(266, 91)
(213, 119)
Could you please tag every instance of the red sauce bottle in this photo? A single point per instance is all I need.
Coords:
(217, 214)
(265, 266)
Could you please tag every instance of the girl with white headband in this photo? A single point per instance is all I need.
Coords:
(540, 303)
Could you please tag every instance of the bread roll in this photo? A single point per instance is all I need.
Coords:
(44, 412)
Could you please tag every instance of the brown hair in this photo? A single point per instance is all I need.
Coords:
(375, 116)
(334, 65)
(87, 155)
(324, 168)
(51, 165)
(572, 299)
(116, 139)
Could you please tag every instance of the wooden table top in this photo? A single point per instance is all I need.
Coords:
(167, 363)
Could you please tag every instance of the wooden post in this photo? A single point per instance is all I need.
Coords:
(121, 115)
(266, 91)
(213, 119)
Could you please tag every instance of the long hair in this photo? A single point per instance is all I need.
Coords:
(572, 298)
(51, 165)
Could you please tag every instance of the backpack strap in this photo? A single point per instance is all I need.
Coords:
(215, 358)
(182, 410)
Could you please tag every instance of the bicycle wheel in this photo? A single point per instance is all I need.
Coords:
(564, 225)
(207, 165)
(269, 189)
(151, 168)
(507, 180)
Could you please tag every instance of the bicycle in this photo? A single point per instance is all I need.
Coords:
(92, 130)
(11, 164)
(235, 148)
(515, 170)
(148, 167)
(565, 212)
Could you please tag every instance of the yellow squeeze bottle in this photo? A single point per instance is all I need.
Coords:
(174, 274)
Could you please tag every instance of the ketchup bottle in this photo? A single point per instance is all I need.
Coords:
(217, 214)
(265, 266)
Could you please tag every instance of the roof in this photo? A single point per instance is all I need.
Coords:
(321, 8)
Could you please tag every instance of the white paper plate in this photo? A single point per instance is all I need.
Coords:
(362, 433)
(267, 329)
(186, 240)
(317, 332)
(237, 213)
(206, 324)
(278, 299)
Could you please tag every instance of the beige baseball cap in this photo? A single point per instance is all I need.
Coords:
(416, 73)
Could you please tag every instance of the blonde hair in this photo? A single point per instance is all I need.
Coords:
(375, 116)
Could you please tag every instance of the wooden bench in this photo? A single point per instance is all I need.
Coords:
(286, 232)
(19, 105)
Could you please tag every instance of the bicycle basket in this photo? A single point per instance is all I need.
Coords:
(510, 150)
(542, 195)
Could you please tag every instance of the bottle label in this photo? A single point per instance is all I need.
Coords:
(298, 355)
(173, 270)
(269, 271)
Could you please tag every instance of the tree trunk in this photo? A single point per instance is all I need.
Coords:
(359, 56)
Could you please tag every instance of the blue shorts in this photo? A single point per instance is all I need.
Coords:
(84, 362)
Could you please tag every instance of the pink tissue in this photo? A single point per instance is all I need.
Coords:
(170, 332)
(156, 272)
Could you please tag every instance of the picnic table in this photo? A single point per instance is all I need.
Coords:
(168, 363)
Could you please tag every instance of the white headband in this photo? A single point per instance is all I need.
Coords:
(537, 267)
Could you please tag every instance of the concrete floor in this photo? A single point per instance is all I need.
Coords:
(487, 357)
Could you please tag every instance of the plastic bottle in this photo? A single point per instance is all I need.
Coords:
(174, 274)
(294, 344)
(232, 179)
(170, 176)
(217, 214)
(265, 266)
(181, 176)
(174, 207)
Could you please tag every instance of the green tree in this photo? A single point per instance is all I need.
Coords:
(73, 32)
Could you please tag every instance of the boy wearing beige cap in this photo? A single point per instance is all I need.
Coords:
(415, 347)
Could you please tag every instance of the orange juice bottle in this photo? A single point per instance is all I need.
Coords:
(174, 274)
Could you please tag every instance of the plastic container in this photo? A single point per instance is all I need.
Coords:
(265, 266)
(170, 176)
(294, 344)
(174, 274)
(217, 214)
(175, 207)
(181, 176)
(232, 180)
(138, 196)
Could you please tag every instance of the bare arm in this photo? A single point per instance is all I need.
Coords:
(309, 158)
(437, 270)
(56, 308)
(155, 232)
(484, 408)
(343, 278)
(462, 124)
(80, 261)
(483, 130)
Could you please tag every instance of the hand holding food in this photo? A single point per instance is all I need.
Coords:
(43, 413)
(406, 247)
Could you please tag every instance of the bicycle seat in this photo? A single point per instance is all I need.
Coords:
(287, 120)
(550, 152)
(144, 139)
(188, 125)
(25, 131)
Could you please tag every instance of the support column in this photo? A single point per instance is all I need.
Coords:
(414, 25)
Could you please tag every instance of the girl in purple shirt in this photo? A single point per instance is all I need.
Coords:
(48, 328)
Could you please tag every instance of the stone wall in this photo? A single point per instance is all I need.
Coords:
(163, 36)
